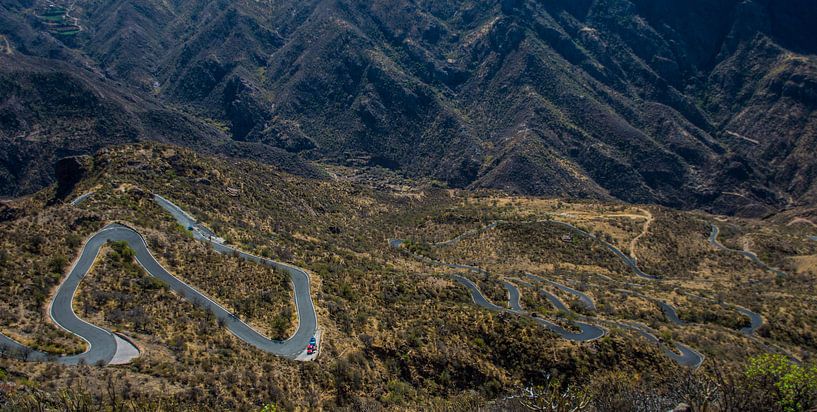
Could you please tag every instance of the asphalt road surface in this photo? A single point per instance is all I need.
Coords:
(626, 259)
(681, 354)
(586, 332)
(102, 344)
(713, 240)
(513, 296)
(291, 348)
(81, 198)
(583, 298)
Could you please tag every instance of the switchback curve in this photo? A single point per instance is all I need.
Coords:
(587, 332)
(713, 240)
(102, 344)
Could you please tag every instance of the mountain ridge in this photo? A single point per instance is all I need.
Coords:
(687, 105)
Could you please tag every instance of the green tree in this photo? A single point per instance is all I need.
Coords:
(795, 385)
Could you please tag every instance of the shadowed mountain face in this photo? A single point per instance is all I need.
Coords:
(701, 103)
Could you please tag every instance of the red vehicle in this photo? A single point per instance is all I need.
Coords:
(310, 349)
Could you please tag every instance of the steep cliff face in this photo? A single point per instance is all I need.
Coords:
(689, 104)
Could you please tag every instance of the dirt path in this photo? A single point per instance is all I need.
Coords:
(801, 220)
(633, 243)
(647, 216)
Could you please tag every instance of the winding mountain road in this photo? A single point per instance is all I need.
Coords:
(587, 332)
(681, 354)
(292, 348)
(713, 240)
(585, 300)
(669, 311)
(466, 234)
(755, 320)
(514, 298)
(632, 263)
(103, 345)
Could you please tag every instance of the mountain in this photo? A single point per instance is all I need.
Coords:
(478, 306)
(695, 104)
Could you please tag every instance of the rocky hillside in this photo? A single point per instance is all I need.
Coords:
(687, 104)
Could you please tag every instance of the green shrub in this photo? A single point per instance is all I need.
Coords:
(124, 253)
(795, 385)
(398, 393)
(57, 264)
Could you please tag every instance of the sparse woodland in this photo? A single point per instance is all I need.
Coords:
(397, 332)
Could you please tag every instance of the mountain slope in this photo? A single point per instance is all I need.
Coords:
(688, 104)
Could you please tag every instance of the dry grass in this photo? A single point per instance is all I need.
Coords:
(398, 333)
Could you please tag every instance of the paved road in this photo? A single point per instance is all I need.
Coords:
(682, 354)
(632, 263)
(476, 294)
(466, 234)
(586, 332)
(513, 296)
(126, 351)
(81, 198)
(585, 300)
(102, 344)
(669, 312)
(555, 301)
(755, 320)
(307, 318)
(713, 240)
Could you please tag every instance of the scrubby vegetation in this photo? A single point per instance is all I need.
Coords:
(763, 383)
(398, 332)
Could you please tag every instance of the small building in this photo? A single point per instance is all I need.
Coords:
(567, 238)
